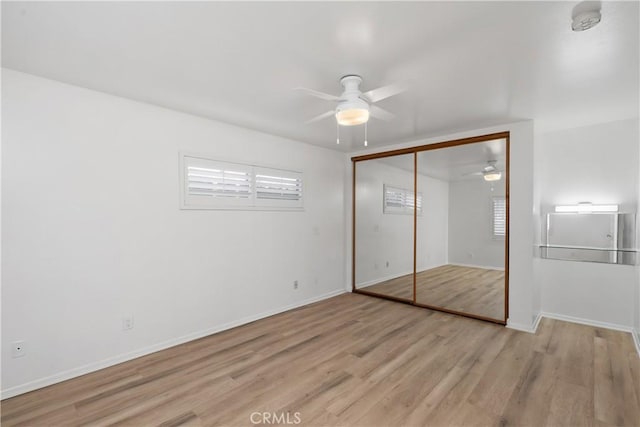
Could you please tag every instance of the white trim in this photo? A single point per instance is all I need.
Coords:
(381, 279)
(395, 276)
(536, 322)
(526, 328)
(105, 363)
(562, 317)
(636, 340)
(486, 267)
(588, 322)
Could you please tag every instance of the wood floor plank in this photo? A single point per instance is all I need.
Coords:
(534, 391)
(503, 374)
(471, 290)
(357, 360)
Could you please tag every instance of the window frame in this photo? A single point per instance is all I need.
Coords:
(404, 209)
(252, 203)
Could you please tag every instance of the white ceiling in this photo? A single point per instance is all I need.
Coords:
(453, 163)
(467, 64)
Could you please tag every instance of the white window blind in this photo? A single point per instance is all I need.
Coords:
(499, 217)
(218, 183)
(400, 200)
(275, 187)
(212, 184)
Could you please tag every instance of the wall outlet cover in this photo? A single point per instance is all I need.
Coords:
(18, 349)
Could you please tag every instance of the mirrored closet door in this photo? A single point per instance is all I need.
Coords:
(431, 226)
(384, 206)
(461, 236)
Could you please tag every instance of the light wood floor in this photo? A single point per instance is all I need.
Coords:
(468, 289)
(358, 360)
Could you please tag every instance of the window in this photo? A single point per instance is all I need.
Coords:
(400, 201)
(212, 184)
(278, 187)
(499, 216)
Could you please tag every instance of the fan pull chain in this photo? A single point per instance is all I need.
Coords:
(365, 134)
(337, 133)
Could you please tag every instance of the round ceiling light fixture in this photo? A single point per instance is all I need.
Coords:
(353, 112)
(586, 20)
(493, 175)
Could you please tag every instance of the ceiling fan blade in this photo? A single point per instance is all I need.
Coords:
(318, 94)
(321, 116)
(380, 113)
(384, 92)
(472, 173)
(489, 168)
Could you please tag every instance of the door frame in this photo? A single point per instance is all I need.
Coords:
(415, 151)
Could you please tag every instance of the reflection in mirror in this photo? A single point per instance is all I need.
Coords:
(460, 252)
(607, 237)
(384, 203)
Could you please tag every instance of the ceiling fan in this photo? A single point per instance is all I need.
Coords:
(489, 172)
(355, 107)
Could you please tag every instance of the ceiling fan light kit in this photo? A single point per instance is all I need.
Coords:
(489, 173)
(492, 176)
(354, 107)
(352, 113)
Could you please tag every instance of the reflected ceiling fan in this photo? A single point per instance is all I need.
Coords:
(489, 172)
(355, 107)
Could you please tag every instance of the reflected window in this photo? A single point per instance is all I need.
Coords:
(499, 217)
(400, 200)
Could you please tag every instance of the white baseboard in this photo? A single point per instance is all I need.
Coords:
(588, 322)
(105, 363)
(380, 280)
(636, 340)
(486, 267)
(536, 322)
(395, 276)
(532, 328)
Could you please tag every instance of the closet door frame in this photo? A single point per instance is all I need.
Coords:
(415, 151)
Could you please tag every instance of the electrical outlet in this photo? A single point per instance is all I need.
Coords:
(127, 323)
(387, 264)
(18, 349)
(295, 284)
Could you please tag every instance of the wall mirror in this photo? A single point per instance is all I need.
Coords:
(605, 237)
(431, 226)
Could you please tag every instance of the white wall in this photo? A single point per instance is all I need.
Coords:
(92, 231)
(433, 225)
(523, 309)
(388, 238)
(599, 164)
(471, 240)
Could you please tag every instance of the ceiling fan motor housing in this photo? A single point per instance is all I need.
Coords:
(351, 84)
(353, 110)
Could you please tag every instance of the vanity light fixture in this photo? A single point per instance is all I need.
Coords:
(586, 207)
